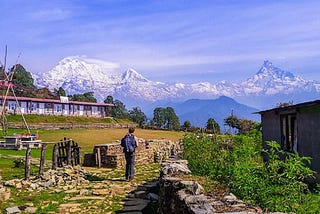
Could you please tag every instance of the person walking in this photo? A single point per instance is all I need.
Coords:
(129, 143)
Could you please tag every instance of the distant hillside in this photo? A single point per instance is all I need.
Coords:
(198, 111)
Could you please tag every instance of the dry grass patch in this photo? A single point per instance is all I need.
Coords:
(87, 138)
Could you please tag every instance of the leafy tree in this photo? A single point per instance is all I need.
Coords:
(59, 92)
(86, 97)
(159, 117)
(172, 120)
(186, 125)
(109, 99)
(23, 82)
(165, 118)
(213, 126)
(137, 116)
(44, 93)
(119, 110)
(22, 77)
(242, 125)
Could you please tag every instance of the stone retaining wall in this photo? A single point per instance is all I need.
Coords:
(186, 196)
(53, 126)
(149, 151)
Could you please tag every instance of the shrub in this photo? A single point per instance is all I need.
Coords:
(275, 185)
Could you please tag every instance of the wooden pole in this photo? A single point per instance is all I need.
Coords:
(43, 158)
(28, 162)
(98, 157)
(79, 156)
(68, 152)
(55, 156)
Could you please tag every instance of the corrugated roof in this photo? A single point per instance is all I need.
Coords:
(278, 109)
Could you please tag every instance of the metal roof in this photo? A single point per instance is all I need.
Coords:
(285, 108)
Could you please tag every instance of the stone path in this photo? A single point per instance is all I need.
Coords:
(107, 193)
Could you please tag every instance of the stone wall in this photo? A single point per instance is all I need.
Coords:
(54, 126)
(148, 151)
(187, 196)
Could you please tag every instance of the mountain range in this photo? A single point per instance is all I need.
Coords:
(269, 86)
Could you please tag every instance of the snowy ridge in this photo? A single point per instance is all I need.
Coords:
(78, 74)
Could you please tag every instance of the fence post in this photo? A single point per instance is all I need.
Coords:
(98, 157)
(43, 158)
(27, 166)
(68, 151)
(79, 156)
(55, 156)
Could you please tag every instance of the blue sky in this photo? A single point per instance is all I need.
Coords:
(166, 40)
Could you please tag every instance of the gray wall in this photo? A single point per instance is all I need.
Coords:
(270, 127)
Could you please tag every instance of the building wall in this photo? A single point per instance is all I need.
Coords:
(308, 123)
(36, 107)
(270, 127)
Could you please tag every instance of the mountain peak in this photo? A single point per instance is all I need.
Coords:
(268, 70)
(132, 75)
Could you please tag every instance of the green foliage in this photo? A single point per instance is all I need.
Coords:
(165, 118)
(119, 110)
(23, 81)
(137, 116)
(109, 99)
(22, 77)
(275, 185)
(243, 126)
(44, 93)
(212, 126)
(86, 97)
(59, 92)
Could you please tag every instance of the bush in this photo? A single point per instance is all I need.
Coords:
(275, 185)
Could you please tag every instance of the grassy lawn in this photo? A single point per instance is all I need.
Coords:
(86, 139)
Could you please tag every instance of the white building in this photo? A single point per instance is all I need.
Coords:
(54, 107)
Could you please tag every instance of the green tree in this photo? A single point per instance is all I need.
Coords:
(213, 126)
(22, 77)
(86, 97)
(165, 118)
(159, 117)
(44, 93)
(119, 110)
(186, 125)
(172, 120)
(137, 116)
(109, 99)
(23, 82)
(59, 92)
(243, 126)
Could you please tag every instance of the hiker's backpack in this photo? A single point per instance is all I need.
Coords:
(128, 143)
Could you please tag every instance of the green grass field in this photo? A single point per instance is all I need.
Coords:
(86, 139)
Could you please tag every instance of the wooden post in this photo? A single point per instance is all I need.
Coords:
(55, 156)
(98, 157)
(68, 152)
(43, 158)
(79, 156)
(27, 166)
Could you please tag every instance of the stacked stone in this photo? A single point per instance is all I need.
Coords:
(68, 177)
(111, 155)
(183, 196)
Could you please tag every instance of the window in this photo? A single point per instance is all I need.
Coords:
(289, 133)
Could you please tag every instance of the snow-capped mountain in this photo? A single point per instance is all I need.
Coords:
(270, 80)
(81, 74)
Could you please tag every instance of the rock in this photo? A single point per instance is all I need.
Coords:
(140, 194)
(153, 196)
(12, 210)
(30, 210)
